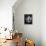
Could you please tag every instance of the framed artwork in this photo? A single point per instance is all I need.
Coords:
(28, 19)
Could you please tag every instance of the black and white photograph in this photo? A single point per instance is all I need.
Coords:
(27, 18)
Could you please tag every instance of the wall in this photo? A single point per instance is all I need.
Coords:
(6, 13)
(29, 31)
(43, 22)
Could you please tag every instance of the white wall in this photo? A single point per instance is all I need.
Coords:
(6, 13)
(43, 22)
(30, 31)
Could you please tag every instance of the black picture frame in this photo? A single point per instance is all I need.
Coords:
(28, 19)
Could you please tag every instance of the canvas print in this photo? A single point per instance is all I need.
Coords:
(27, 18)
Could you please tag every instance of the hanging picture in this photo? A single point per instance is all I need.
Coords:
(27, 18)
